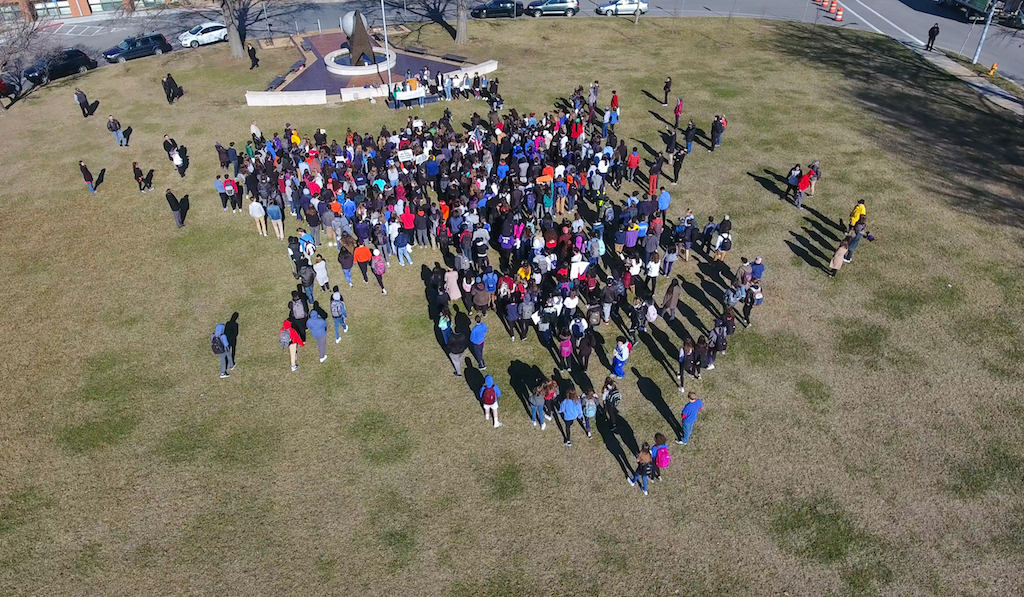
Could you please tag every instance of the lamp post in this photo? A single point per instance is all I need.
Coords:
(387, 48)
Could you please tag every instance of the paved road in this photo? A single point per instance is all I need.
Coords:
(905, 20)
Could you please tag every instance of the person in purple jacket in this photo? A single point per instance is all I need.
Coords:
(689, 417)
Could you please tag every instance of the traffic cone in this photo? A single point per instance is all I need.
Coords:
(832, 7)
(839, 14)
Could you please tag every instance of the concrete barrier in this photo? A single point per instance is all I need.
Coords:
(483, 68)
(351, 94)
(286, 98)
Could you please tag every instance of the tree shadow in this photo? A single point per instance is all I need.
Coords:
(920, 109)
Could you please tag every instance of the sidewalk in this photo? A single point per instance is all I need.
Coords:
(979, 83)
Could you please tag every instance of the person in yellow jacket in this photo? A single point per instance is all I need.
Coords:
(858, 211)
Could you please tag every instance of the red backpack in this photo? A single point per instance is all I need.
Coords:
(490, 396)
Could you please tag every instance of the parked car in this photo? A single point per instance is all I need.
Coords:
(63, 63)
(622, 7)
(137, 47)
(553, 7)
(498, 8)
(200, 35)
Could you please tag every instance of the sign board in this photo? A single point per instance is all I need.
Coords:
(420, 158)
(405, 155)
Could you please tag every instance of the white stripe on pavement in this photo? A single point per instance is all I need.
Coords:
(863, 20)
(894, 25)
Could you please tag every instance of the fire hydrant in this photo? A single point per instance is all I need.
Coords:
(992, 71)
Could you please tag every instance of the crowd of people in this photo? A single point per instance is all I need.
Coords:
(522, 211)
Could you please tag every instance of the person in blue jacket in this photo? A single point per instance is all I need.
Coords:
(488, 396)
(222, 348)
(689, 417)
(477, 336)
(317, 327)
(571, 410)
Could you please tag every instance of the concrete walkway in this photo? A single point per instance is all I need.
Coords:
(979, 83)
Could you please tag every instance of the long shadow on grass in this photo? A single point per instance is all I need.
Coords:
(768, 185)
(972, 151)
(652, 393)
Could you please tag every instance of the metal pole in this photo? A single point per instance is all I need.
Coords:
(267, 19)
(984, 32)
(387, 48)
(296, 27)
(318, 26)
(340, 24)
(969, 32)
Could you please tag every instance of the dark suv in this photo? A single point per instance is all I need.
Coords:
(137, 47)
(61, 64)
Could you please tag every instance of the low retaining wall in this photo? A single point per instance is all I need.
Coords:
(286, 98)
(483, 68)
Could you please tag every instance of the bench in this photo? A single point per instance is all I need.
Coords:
(455, 58)
(297, 65)
(307, 46)
(415, 50)
(275, 83)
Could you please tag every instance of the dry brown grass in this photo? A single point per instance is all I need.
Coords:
(864, 436)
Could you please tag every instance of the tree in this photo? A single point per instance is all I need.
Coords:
(21, 43)
(461, 36)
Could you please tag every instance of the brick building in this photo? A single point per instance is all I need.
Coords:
(59, 9)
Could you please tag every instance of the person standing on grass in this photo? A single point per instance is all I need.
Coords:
(218, 186)
(276, 218)
(858, 232)
(176, 208)
(457, 344)
(689, 135)
(291, 340)
(320, 270)
(444, 324)
(306, 278)
(792, 179)
(932, 34)
(379, 267)
(717, 128)
(179, 162)
(83, 102)
(339, 314)
(687, 363)
(689, 417)
(858, 210)
(317, 327)
(815, 171)
(660, 457)
(754, 298)
(222, 348)
(564, 349)
(489, 395)
(254, 61)
(140, 177)
(620, 357)
(170, 145)
(677, 163)
(477, 337)
(536, 402)
(802, 186)
(652, 180)
(114, 126)
(257, 212)
(632, 163)
(678, 111)
(87, 176)
(362, 257)
(667, 88)
(571, 411)
(589, 406)
(610, 399)
(644, 468)
(586, 349)
(838, 258)
(670, 303)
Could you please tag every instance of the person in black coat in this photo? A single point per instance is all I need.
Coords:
(171, 89)
(252, 58)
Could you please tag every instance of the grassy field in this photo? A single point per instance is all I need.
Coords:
(864, 437)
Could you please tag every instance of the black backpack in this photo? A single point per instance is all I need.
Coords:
(726, 244)
(216, 345)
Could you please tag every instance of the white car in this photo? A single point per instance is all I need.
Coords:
(622, 7)
(200, 35)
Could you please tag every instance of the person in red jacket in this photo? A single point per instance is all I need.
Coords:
(801, 189)
(632, 163)
(294, 342)
(615, 101)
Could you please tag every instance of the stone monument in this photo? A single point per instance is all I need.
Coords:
(360, 49)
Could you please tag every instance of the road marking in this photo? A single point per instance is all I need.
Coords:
(863, 20)
(894, 25)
